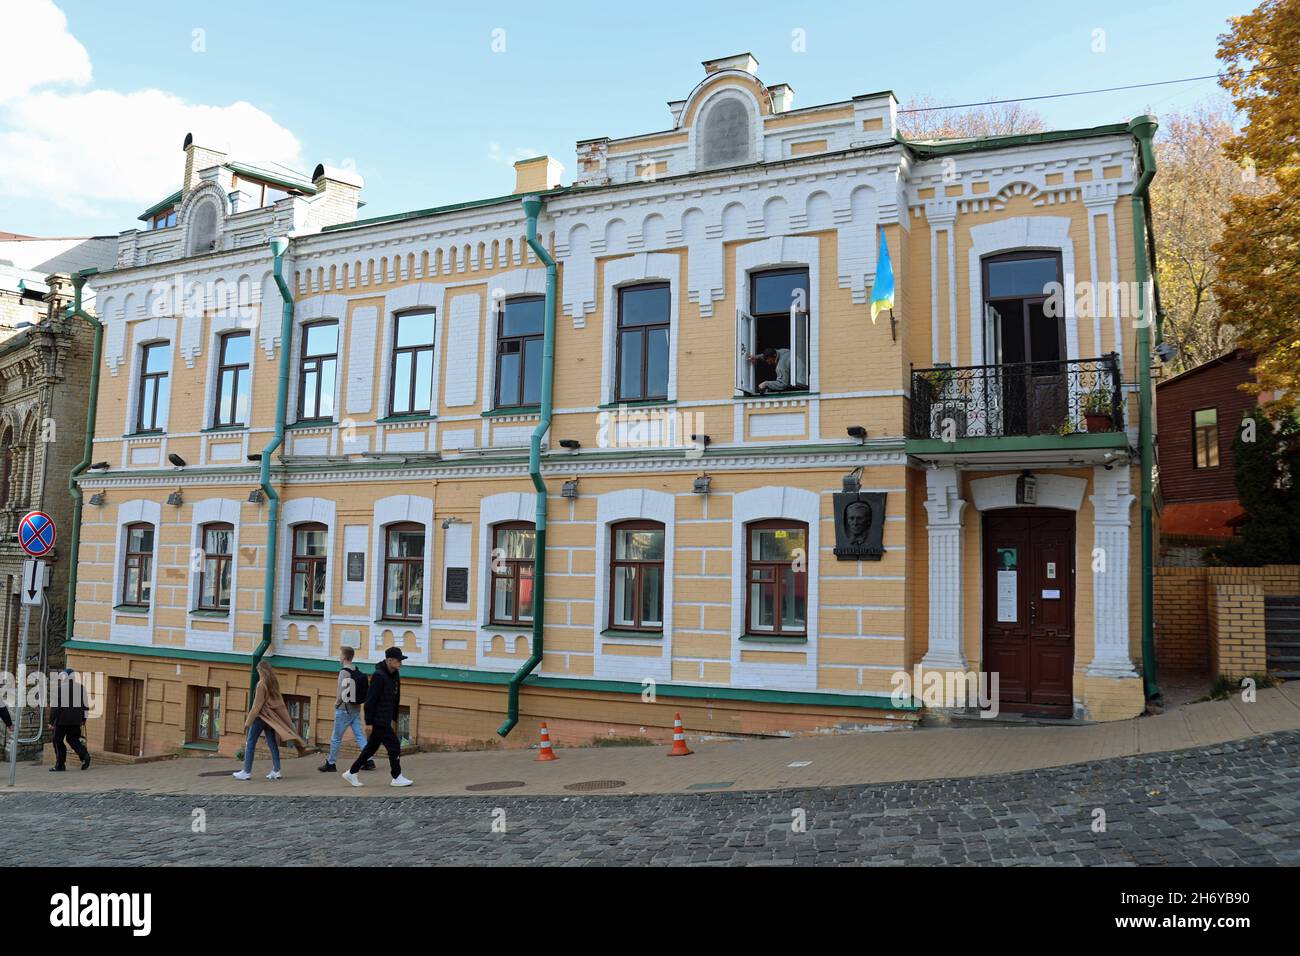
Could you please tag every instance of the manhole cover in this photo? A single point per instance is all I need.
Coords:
(595, 785)
(496, 785)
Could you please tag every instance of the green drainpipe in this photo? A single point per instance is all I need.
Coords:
(533, 208)
(78, 280)
(279, 246)
(1144, 129)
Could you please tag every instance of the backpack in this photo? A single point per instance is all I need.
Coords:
(360, 684)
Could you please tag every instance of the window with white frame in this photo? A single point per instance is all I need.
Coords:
(511, 598)
(137, 565)
(404, 572)
(636, 576)
(644, 322)
(773, 343)
(307, 574)
(215, 575)
(233, 358)
(411, 382)
(153, 391)
(317, 370)
(519, 341)
(776, 598)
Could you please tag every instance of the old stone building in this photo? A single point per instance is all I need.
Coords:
(44, 388)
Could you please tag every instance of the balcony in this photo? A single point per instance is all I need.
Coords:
(1031, 406)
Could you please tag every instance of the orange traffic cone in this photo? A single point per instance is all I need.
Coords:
(679, 740)
(546, 752)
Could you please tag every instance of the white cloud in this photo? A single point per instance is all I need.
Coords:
(36, 49)
(83, 147)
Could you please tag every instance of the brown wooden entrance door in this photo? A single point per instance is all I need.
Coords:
(126, 706)
(1029, 608)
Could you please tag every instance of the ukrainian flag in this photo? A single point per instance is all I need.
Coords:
(882, 290)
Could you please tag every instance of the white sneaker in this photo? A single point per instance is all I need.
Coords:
(352, 778)
(401, 781)
(242, 775)
(273, 775)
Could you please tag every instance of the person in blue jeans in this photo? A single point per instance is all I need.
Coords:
(347, 710)
(270, 716)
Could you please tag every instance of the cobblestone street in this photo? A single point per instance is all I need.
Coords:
(1228, 804)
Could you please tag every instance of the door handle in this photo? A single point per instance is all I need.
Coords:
(1033, 613)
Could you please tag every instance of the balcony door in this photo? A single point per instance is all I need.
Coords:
(1025, 342)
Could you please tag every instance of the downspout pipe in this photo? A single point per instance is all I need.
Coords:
(92, 406)
(1143, 129)
(279, 246)
(532, 209)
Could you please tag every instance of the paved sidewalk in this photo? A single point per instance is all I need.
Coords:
(832, 760)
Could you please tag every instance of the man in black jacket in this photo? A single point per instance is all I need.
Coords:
(67, 715)
(383, 698)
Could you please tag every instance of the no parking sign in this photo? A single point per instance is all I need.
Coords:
(37, 534)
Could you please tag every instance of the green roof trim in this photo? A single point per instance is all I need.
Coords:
(461, 676)
(159, 206)
(925, 148)
(437, 210)
(278, 179)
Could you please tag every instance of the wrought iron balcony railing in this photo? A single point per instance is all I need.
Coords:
(1029, 398)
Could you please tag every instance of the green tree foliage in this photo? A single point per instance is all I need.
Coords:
(1267, 473)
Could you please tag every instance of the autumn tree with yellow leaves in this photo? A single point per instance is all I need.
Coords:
(1258, 282)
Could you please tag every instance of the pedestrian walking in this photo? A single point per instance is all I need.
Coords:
(383, 698)
(67, 716)
(270, 717)
(348, 698)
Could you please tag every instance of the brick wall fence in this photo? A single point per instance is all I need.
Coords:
(1211, 620)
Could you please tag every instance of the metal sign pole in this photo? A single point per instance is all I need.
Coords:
(18, 703)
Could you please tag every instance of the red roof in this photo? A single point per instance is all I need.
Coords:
(1203, 518)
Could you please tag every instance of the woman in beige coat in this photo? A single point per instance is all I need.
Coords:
(268, 716)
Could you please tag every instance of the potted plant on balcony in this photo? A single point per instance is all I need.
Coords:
(939, 379)
(1097, 410)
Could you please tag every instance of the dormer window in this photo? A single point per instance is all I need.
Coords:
(163, 220)
(262, 193)
(726, 137)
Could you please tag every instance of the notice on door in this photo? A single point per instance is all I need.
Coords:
(1006, 597)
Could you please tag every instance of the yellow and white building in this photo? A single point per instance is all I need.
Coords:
(684, 573)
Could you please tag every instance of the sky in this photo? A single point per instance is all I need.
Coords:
(432, 102)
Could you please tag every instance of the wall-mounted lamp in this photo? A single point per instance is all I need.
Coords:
(570, 443)
(1027, 488)
(175, 499)
(99, 466)
(858, 432)
(255, 497)
(569, 489)
(701, 485)
(255, 456)
(450, 520)
(852, 482)
(98, 499)
(176, 460)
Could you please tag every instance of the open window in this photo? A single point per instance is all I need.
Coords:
(772, 338)
(1025, 341)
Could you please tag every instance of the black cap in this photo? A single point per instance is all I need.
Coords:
(395, 652)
